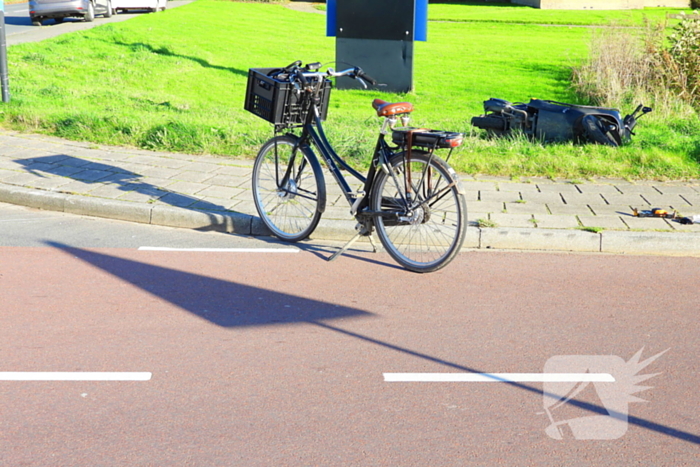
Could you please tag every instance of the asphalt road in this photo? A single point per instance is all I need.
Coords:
(278, 358)
(19, 28)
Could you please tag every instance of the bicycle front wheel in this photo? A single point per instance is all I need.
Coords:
(288, 189)
(422, 228)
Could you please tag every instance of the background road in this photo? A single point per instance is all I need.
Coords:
(278, 358)
(19, 28)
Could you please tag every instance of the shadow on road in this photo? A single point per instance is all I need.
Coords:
(231, 305)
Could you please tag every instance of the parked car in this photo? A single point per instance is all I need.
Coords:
(148, 5)
(58, 10)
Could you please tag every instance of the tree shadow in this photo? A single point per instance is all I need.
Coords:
(164, 50)
(231, 305)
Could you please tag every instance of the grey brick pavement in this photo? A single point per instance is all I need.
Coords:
(192, 191)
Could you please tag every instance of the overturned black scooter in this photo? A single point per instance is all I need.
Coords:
(551, 121)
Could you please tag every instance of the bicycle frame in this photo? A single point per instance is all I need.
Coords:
(409, 196)
(312, 132)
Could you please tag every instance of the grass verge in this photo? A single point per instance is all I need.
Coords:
(175, 81)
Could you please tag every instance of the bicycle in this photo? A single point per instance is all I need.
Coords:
(413, 198)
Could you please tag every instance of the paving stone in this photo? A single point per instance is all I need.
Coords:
(187, 188)
(558, 188)
(107, 191)
(595, 188)
(200, 167)
(480, 186)
(526, 208)
(21, 178)
(512, 220)
(543, 198)
(693, 200)
(120, 179)
(246, 207)
(605, 222)
(157, 172)
(65, 170)
(578, 199)
(629, 199)
(210, 204)
(620, 209)
(676, 201)
(471, 196)
(234, 171)
(227, 180)
(647, 223)
(50, 183)
(677, 190)
(556, 222)
(78, 187)
(518, 187)
(73, 161)
(177, 199)
(196, 177)
(639, 190)
(220, 192)
(91, 175)
(567, 209)
(159, 162)
(485, 206)
(686, 227)
(499, 196)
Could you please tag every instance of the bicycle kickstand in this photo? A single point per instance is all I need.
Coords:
(362, 232)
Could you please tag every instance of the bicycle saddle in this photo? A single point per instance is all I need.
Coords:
(387, 109)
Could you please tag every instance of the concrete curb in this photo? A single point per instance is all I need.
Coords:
(514, 238)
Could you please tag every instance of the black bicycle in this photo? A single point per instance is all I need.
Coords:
(412, 198)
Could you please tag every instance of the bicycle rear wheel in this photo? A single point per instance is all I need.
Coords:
(288, 188)
(423, 228)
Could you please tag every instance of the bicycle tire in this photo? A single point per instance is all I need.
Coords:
(429, 236)
(291, 211)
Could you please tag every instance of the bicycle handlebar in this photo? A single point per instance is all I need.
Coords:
(310, 71)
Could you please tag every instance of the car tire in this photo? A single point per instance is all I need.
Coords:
(36, 22)
(90, 15)
(110, 11)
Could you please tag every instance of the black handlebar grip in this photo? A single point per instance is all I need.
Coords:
(292, 66)
(364, 76)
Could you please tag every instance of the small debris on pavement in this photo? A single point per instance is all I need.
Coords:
(655, 212)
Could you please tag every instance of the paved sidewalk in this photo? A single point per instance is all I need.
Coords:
(213, 193)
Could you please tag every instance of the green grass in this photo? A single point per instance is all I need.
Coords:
(175, 81)
(509, 13)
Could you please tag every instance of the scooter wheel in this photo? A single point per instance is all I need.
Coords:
(594, 130)
(489, 123)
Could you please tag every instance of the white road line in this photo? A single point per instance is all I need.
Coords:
(498, 377)
(223, 250)
(72, 376)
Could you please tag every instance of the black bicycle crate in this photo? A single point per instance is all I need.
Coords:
(427, 138)
(272, 98)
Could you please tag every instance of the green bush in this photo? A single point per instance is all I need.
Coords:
(684, 53)
(622, 68)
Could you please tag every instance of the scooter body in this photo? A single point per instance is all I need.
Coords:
(552, 121)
